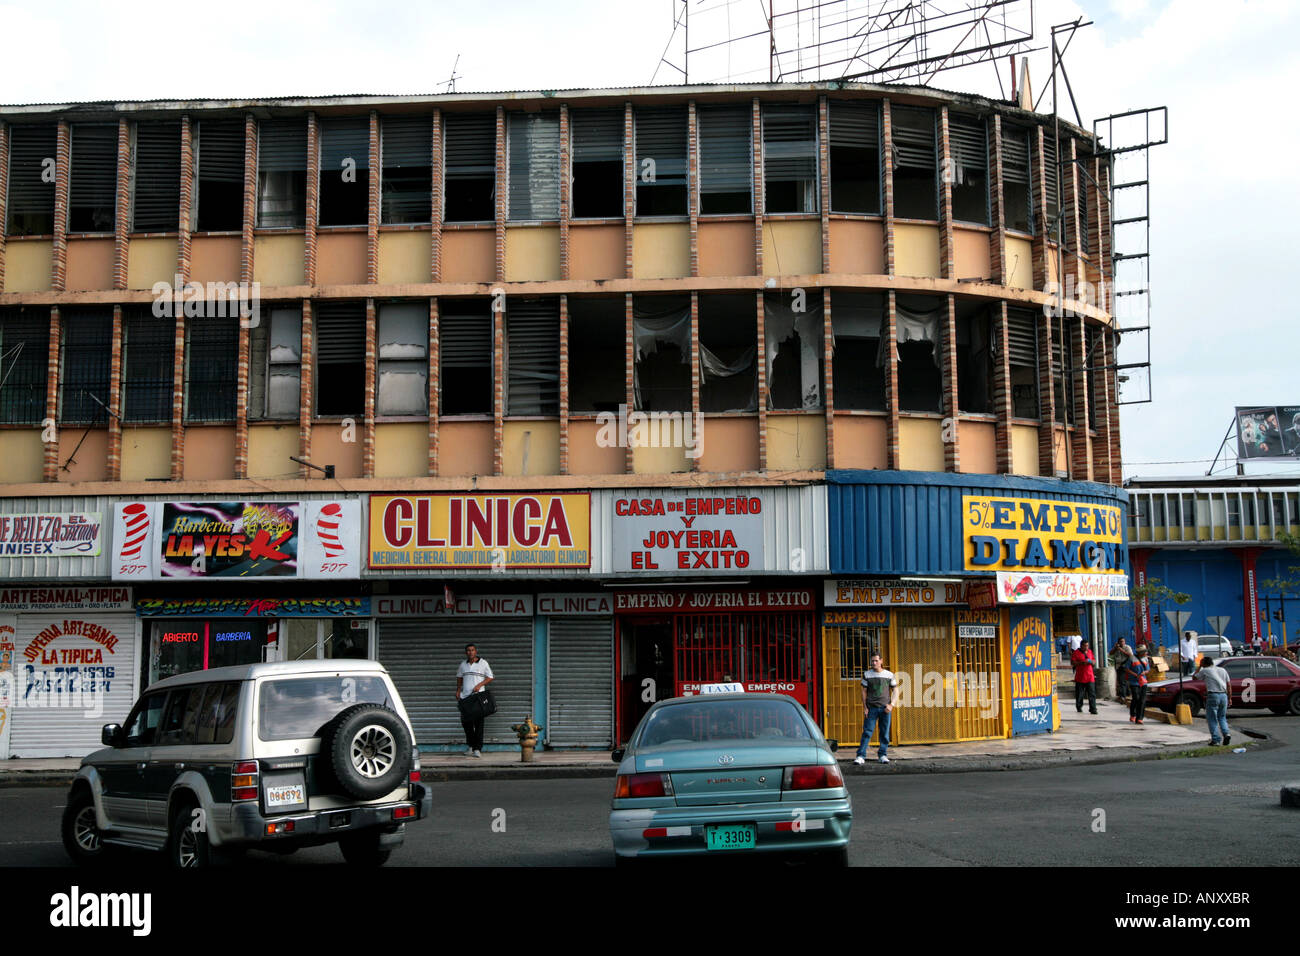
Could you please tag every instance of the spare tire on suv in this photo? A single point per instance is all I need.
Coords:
(368, 749)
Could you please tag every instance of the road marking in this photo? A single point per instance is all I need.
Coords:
(29, 842)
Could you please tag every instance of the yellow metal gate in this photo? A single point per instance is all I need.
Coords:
(849, 638)
(980, 710)
(927, 712)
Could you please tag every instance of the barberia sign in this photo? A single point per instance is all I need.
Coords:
(1047, 534)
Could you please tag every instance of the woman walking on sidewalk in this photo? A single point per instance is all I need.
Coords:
(1085, 680)
(1135, 670)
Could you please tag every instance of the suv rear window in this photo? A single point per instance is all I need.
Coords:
(299, 707)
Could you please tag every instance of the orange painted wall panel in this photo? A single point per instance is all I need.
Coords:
(464, 448)
(210, 452)
(341, 258)
(971, 254)
(857, 247)
(861, 442)
(329, 448)
(468, 255)
(214, 259)
(90, 264)
(729, 444)
(726, 248)
(979, 447)
(596, 252)
(91, 462)
(588, 458)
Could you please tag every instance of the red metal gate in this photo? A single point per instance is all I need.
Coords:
(769, 653)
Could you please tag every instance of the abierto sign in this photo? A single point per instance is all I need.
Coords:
(1042, 534)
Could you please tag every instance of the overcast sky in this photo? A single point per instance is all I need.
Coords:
(1224, 196)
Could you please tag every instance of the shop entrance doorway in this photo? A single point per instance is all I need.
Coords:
(646, 652)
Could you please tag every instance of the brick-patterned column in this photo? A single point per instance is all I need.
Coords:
(178, 397)
(891, 379)
(947, 165)
(499, 320)
(4, 198)
(372, 205)
(1046, 401)
(564, 384)
(114, 471)
(243, 364)
(760, 358)
(1038, 196)
(693, 183)
(51, 448)
(1112, 409)
(828, 376)
(887, 173)
(313, 202)
(631, 176)
(435, 214)
(250, 199)
(185, 215)
(500, 245)
(630, 327)
(435, 369)
(368, 433)
(997, 205)
(1139, 557)
(1071, 186)
(756, 150)
(1002, 399)
(306, 389)
(122, 214)
(1081, 460)
(824, 174)
(948, 374)
(565, 190)
(62, 171)
(695, 371)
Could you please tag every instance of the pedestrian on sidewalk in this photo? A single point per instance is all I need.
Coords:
(1187, 651)
(1217, 697)
(472, 676)
(1085, 678)
(1118, 657)
(877, 707)
(1135, 670)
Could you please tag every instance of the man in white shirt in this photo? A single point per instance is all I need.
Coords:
(472, 675)
(1187, 651)
(877, 707)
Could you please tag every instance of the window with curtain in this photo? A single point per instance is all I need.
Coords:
(728, 353)
(661, 376)
(920, 383)
(794, 346)
(857, 323)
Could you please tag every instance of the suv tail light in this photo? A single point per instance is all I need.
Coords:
(243, 781)
(643, 785)
(415, 767)
(812, 778)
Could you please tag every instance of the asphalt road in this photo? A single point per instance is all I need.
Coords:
(1112, 814)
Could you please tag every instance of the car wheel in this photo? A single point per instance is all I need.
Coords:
(1191, 700)
(1293, 703)
(363, 849)
(187, 845)
(82, 837)
(369, 750)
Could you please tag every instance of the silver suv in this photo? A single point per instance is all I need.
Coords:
(272, 756)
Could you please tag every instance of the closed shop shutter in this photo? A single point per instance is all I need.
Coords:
(422, 654)
(54, 712)
(580, 700)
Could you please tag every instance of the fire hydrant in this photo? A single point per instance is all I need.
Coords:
(527, 734)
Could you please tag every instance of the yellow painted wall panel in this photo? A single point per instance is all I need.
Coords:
(23, 455)
(278, 260)
(269, 448)
(530, 448)
(920, 444)
(149, 261)
(659, 461)
(146, 453)
(27, 265)
(1020, 263)
(1024, 449)
(402, 450)
(916, 250)
(661, 250)
(532, 253)
(792, 247)
(404, 257)
(796, 442)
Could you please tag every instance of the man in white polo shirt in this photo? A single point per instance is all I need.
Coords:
(472, 675)
(1187, 651)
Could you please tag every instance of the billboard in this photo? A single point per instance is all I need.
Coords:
(1271, 431)
(1042, 534)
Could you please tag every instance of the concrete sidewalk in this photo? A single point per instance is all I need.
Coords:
(1083, 738)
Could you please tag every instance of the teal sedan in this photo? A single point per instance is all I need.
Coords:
(734, 774)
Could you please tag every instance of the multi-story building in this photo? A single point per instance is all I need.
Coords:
(637, 389)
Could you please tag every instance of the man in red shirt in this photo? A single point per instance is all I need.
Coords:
(1085, 678)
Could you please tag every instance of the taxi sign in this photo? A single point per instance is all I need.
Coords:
(732, 688)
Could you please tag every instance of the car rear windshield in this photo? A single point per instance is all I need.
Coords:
(301, 706)
(707, 721)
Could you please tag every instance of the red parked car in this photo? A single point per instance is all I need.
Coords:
(1274, 683)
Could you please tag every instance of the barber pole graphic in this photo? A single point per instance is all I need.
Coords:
(331, 540)
(134, 548)
(327, 529)
(136, 517)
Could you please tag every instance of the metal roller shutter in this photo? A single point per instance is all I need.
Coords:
(52, 718)
(580, 668)
(422, 655)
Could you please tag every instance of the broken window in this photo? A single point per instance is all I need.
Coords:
(340, 338)
(24, 360)
(728, 354)
(858, 362)
(212, 352)
(598, 348)
(532, 357)
(661, 133)
(855, 158)
(275, 358)
(84, 371)
(533, 172)
(974, 358)
(157, 177)
(1022, 357)
(661, 377)
(282, 173)
(31, 180)
(916, 188)
(920, 383)
(469, 167)
(1015, 179)
(1064, 336)
(726, 163)
(149, 349)
(794, 346)
(406, 147)
(465, 356)
(597, 163)
(968, 140)
(92, 189)
(790, 159)
(403, 359)
(219, 172)
(345, 171)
